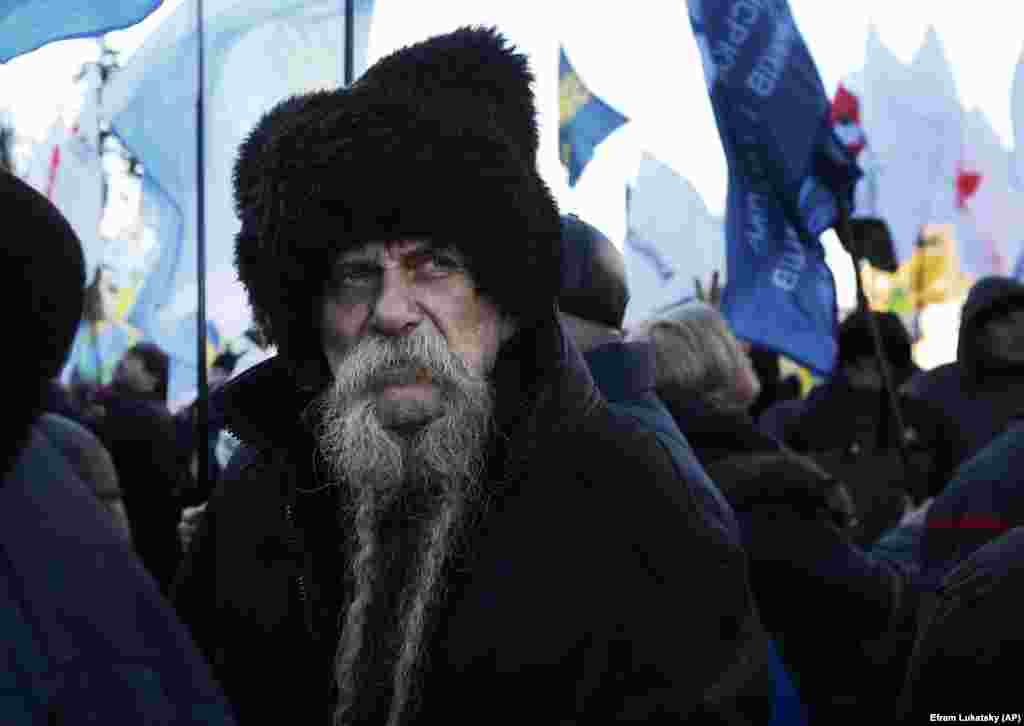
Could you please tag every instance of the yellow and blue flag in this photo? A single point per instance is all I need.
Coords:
(584, 120)
(788, 176)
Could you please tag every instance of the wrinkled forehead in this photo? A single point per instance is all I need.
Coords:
(391, 250)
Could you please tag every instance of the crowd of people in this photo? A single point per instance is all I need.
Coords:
(462, 490)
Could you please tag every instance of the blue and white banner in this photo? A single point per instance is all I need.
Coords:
(787, 169)
(258, 52)
(26, 25)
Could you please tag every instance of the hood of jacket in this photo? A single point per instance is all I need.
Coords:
(987, 293)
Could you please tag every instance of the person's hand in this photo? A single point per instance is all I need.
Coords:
(190, 519)
(914, 517)
(713, 296)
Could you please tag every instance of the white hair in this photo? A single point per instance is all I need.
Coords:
(697, 354)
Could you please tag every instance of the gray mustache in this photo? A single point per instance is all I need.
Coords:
(404, 375)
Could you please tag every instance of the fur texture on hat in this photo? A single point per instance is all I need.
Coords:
(436, 141)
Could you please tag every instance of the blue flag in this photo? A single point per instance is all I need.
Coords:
(788, 174)
(584, 120)
(257, 53)
(164, 219)
(26, 25)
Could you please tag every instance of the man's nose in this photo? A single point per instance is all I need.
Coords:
(397, 310)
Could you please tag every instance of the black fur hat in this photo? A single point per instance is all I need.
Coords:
(437, 140)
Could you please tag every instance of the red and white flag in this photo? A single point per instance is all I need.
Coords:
(846, 121)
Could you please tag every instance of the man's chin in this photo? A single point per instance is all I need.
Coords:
(407, 414)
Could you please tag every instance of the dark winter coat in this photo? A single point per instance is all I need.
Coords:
(716, 435)
(842, 419)
(795, 523)
(984, 499)
(977, 395)
(91, 463)
(851, 433)
(87, 636)
(971, 642)
(591, 591)
(803, 563)
(625, 375)
(141, 439)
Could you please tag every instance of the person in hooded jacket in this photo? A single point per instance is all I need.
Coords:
(796, 523)
(87, 637)
(984, 388)
(427, 521)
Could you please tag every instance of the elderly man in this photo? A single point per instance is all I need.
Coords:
(427, 521)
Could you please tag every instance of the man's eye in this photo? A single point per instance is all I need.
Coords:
(355, 277)
(440, 264)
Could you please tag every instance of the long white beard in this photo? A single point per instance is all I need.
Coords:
(443, 460)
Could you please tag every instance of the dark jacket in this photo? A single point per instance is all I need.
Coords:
(91, 463)
(983, 500)
(88, 637)
(803, 562)
(715, 435)
(625, 375)
(972, 640)
(141, 439)
(573, 600)
(977, 395)
(852, 434)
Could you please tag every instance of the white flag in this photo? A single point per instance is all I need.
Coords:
(671, 240)
(67, 169)
(914, 122)
(1017, 115)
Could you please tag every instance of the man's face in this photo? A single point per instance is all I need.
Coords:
(1002, 336)
(397, 291)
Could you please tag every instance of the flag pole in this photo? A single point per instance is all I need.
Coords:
(853, 247)
(349, 40)
(202, 406)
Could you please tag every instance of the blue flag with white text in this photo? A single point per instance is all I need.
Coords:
(26, 25)
(788, 173)
(584, 120)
